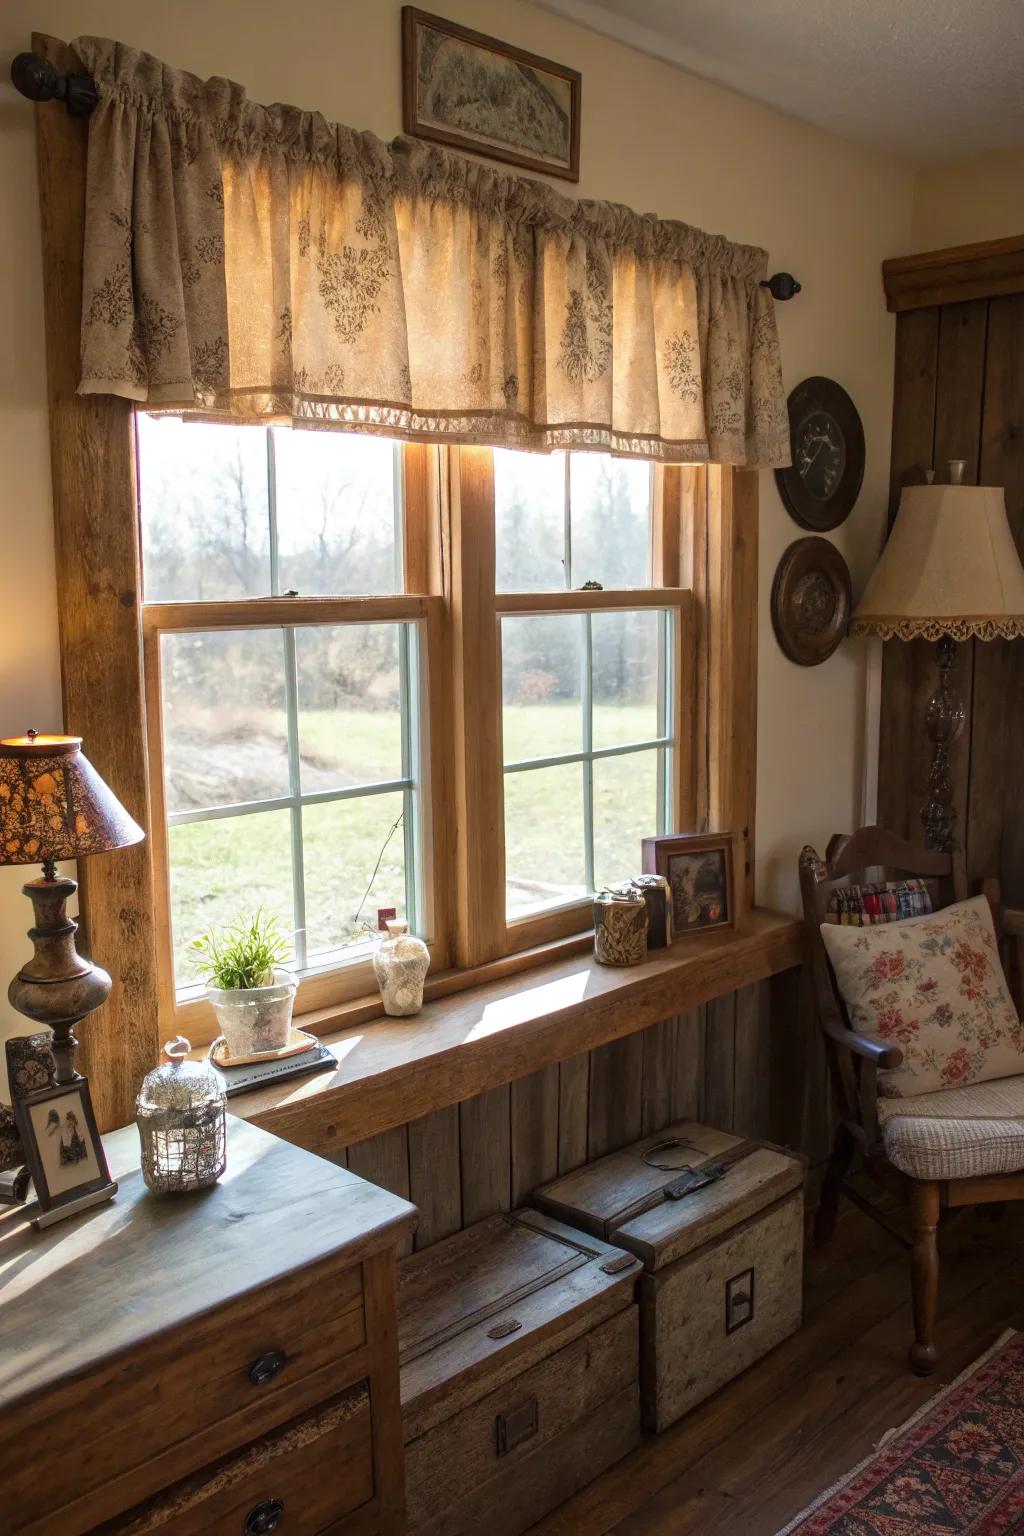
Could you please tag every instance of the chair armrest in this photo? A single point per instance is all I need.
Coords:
(887, 1056)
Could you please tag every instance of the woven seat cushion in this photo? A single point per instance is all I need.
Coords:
(959, 1133)
(933, 986)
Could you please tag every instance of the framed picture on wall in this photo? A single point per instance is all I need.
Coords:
(698, 868)
(475, 92)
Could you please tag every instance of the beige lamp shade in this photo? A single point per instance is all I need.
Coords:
(54, 805)
(950, 567)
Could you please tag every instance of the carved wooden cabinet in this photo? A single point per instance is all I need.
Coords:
(212, 1363)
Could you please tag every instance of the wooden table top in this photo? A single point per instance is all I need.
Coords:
(114, 1276)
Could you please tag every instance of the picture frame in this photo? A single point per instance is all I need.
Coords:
(474, 92)
(62, 1148)
(699, 870)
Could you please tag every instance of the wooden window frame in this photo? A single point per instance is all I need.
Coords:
(327, 986)
(482, 931)
(704, 541)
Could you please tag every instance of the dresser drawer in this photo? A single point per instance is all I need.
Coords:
(99, 1444)
(302, 1480)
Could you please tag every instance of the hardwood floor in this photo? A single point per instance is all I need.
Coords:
(757, 1452)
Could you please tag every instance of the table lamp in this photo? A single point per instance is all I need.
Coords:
(54, 805)
(949, 571)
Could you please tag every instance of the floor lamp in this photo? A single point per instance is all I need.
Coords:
(949, 572)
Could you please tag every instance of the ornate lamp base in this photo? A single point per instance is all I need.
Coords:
(944, 720)
(57, 987)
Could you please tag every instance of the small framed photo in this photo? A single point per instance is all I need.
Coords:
(62, 1146)
(475, 92)
(699, 871)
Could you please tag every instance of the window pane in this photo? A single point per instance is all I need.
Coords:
(223, 870)
(225, 740)
(350, 717)
(203, 510)
(541, 666)
(338, 522)
(611, 520)
(342, 841)
(626, 810)
(529, 521)
(544, 853)
(626, 677)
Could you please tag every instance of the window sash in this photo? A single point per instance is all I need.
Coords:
(324, 981)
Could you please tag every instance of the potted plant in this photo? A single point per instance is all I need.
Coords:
(252, 993)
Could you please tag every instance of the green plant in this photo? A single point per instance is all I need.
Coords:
(240, 954)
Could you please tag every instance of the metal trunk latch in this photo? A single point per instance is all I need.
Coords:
(739, 1300)
(519, 1424)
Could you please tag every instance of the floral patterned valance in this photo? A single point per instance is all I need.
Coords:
(253, 261)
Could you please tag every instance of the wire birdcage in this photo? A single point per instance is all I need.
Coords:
(182, 1123)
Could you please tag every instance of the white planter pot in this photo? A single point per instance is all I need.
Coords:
(254, 1019)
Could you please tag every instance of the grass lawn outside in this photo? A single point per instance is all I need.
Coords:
(224, 868)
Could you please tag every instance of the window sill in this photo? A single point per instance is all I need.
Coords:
(394, 1070)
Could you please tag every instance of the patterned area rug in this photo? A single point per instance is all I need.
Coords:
(956, 1466)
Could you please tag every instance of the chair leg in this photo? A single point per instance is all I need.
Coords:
(924, 1275)
(836, 1170)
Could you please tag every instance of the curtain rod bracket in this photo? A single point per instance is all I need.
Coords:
(781, 285)
(37, 79)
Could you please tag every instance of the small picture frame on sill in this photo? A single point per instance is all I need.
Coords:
(63, 1150)
(699, 871)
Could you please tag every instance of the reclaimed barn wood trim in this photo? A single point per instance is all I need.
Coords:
(434, 1177)
(616, 1095)
(98, 578)
(983, 270)
(458, 1047)
(994, 833)
(479, 915)
(489, 1153)
(731, 531)
(486, 1135)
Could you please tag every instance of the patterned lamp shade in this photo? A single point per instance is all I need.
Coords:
(950, 567)
(54, 805)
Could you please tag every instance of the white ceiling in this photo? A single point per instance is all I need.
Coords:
(928, 79)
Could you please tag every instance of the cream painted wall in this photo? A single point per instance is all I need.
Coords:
(653, 137)
(967, 200)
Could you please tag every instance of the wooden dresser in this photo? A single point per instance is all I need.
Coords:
(216, 1363)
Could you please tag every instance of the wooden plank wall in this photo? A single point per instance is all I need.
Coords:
(959, 393)
(736, 1063)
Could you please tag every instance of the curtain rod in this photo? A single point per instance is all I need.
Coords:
(39, 80)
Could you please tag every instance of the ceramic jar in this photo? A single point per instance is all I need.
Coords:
(400, 966)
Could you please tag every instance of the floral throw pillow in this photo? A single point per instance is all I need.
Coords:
(933, 986)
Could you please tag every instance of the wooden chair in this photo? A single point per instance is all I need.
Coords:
(854, 1062)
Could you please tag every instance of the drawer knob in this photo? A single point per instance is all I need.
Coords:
(265, 1369)
(263, 1517)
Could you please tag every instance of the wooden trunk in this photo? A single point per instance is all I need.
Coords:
(723, 1264)
(519, 1348)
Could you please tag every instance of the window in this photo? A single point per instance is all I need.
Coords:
(363, 693)
(588, 724)
(288, 756)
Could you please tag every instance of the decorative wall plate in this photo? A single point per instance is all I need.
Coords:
(811, 601)
(826, 440)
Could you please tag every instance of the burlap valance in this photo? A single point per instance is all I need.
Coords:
(260, 261)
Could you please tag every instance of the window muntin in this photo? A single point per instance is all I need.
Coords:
(569, 518)
(575, 812)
